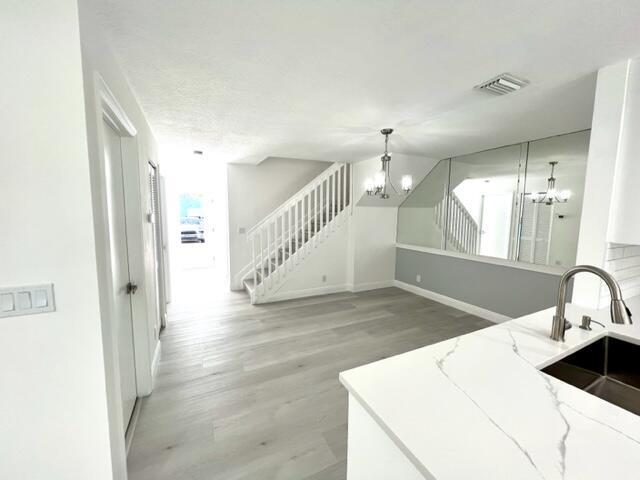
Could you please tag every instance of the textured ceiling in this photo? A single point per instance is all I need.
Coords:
(245, 80)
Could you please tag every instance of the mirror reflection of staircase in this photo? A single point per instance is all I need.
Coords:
(462, 231)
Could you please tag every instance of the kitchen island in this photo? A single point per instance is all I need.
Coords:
(478, 407)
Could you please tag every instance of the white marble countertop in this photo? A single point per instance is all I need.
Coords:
(477, 406)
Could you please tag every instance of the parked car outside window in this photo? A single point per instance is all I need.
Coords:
(192, 230)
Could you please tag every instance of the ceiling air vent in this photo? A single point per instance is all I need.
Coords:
(503, 84)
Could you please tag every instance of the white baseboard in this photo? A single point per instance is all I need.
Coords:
(363, 287)
(155, 363)
(452, 302)
(309, 292)
(313, 292)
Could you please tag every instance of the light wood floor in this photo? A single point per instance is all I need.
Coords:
(252, 392)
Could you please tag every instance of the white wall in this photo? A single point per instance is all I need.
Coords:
(373, 232)
(604, 146)
(328, 259)
(53, 406)
(97, 57)
(624, 226)
(374, 222)
(255, 191)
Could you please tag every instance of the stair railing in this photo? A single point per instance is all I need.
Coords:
(461, 230)
(288, 234)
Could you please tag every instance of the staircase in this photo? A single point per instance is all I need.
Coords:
(282, 241)
(462, 232)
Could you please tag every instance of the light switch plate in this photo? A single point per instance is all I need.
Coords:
(26, 300)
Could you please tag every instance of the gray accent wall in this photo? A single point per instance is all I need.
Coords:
(511, 291)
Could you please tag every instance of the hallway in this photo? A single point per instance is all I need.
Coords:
(252, 392)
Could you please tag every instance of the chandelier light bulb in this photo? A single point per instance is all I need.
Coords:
(407, 183)
(368, 186)
(565, 195)
(379, 179)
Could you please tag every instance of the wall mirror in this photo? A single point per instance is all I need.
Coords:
(519, 202)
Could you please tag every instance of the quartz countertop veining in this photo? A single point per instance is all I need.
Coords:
(478, 407)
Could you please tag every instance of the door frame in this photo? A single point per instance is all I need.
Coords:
(109, 110)
(159, 234)
(166, 252)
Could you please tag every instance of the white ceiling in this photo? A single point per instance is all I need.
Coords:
(312, 79)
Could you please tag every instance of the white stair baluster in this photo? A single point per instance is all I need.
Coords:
(262, 284)
(335, 195)
(464, 233)
(253, 263)
(451, 222)
(290, 235)
(456, 232)
(308, 197)
(316, 210)
(269, 254)
(296, 231)
(327, 210)
(339, 175)
(344, 186)
(331, 189)
(282, 245)
(321, 205)
(274, 254)
(350, 192)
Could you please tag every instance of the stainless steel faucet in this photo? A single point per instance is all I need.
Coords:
(619, 312)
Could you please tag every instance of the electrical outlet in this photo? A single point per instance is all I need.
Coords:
(324, 278)
(418, 278)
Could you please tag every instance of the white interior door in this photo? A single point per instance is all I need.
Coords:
(120, 270)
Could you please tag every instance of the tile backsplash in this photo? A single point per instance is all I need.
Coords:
(623, 262)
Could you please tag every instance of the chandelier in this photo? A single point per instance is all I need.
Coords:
(552, 195)
(378, 185)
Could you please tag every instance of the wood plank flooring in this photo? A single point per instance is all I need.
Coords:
(252, 392)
